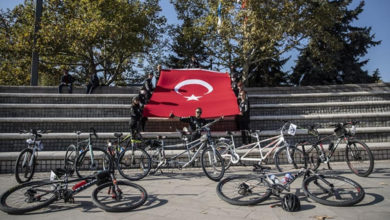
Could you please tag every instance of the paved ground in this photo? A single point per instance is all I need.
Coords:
(189, 195)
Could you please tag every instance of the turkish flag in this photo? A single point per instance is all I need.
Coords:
(182, 91)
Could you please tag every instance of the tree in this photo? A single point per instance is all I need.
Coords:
(336, 60)
(111, 35)
(187, 38)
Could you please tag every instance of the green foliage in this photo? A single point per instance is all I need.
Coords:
(106, 36)
(336, 60)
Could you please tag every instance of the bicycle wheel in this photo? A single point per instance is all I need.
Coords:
(333, 190)
(70, 158)
(243, 190)
(84, 165)
(212, 164)
(224, 150)
(27, 197)
(359, 158)
(23, 170)
(134, 164)
(128, 196)
(283, 163)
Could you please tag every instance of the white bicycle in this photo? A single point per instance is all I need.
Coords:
(285, 156)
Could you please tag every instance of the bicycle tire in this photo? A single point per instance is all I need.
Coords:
(22, 189)
(351, 156)
(27, 170)
(223, 149)
(235, 190)
(70, 158)
(299, 160)
(134, 165)
(105, 200)
(214, 174)
(341, 188)
(83, 163)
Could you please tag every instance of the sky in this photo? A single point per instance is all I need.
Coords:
(375, 15)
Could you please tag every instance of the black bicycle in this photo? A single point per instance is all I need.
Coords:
(325, 189)
(130, 159)
(357, 154)
(110, 195)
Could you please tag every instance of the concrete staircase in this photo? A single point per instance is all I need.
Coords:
(107, 111)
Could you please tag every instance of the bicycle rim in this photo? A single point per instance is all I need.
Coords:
(223, 149)
(70, 158)
(243, 190)
(84, 166)
(212, 164)
(129, 196)
(359, 158)
(333, 190)
(134, 164)
(27, 197)
(297, 159)
(23, 171)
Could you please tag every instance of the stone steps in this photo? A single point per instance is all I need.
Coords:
(108, 111)
(76, 89)
(320, 108)
(47, 98)
(318, 97)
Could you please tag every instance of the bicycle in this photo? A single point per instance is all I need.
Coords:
(26, 161)
(132, 161)
(328, 190)
(84, 158)
(211, 160)
(277, 143)
(110, 195)
(357, 154)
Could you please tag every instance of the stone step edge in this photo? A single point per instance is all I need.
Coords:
(125, 106)
(72, 135)
(55, 155)
(66, 95)
(320, 94)
(318, 104)
(257, 118)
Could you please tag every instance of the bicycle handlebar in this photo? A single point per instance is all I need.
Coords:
(93, 132)
(211, 123)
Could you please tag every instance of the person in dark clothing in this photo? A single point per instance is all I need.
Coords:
(66, 80)
(148, 86)
(93, 82)
(195, 122)
(243, 119)
(159, 68)
(194, 63)
(143, 101)
(234, 84)
(135, 117)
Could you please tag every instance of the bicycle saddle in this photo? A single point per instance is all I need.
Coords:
(118, 134)
(229, 132)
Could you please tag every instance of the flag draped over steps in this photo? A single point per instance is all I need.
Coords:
(181, 91)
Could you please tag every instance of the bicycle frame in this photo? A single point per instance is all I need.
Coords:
(324, 157)
(201, 143)
(277, 142)
(34, 146)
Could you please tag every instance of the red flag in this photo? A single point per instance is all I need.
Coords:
(181, 91)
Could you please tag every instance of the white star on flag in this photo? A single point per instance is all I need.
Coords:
(192, 98)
